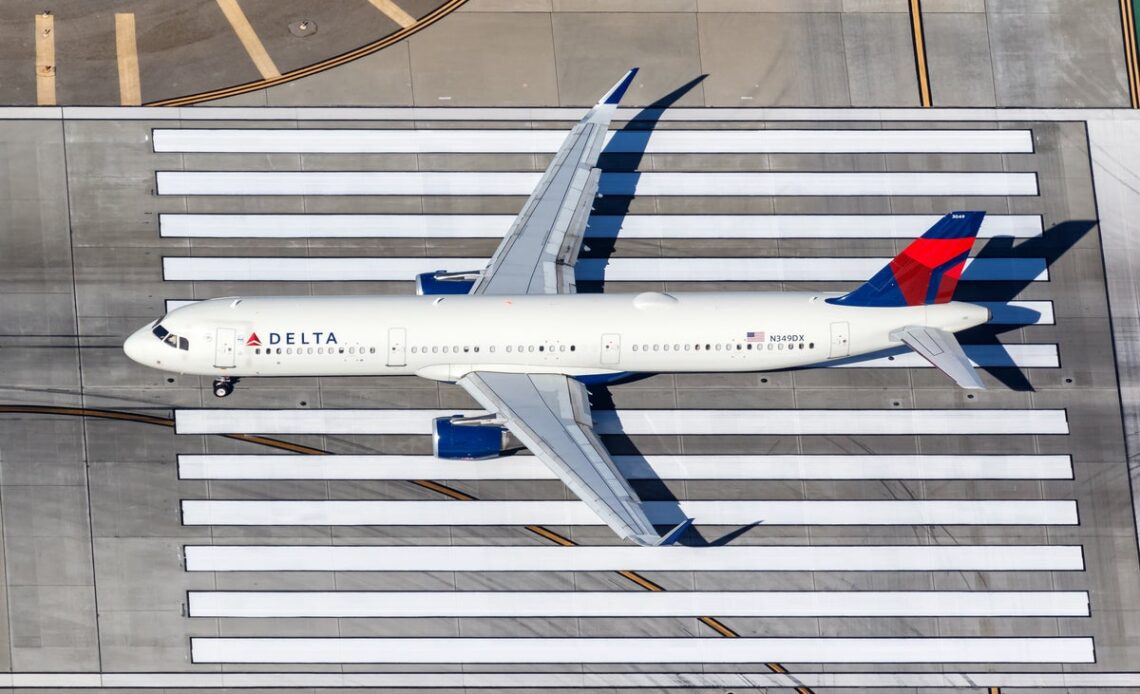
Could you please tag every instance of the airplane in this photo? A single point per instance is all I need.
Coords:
(518, 338)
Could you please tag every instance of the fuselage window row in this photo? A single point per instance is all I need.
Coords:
(183, 343)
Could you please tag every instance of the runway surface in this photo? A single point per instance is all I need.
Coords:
(864, 521)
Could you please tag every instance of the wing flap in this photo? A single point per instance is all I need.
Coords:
(550, 415)
(942, 350)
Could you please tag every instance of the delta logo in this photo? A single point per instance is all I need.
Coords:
(294, 338)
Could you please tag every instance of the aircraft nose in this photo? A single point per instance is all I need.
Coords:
(136, 346)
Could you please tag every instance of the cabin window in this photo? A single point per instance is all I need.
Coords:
(491, 349)
(635, 348)
(780, 346)
(372, 350)
(352, 350)
(340, 350)
(801, 345)
(445, 349)
(434, 349)
(309, 350)
(697, 347)
(466, 349)
(183, 344)
(739, 347)
(811, 345)
(542, 348)
(571, 348)
(530, 348)
(561, 348)
(686, 347)
(718, 346)
(666, 347)
(676, 348)
(656, 348)
(413, 350)
(749, 345)
(770, 347)
(708, 347)
(476, 348)
(455, 349)
(508, 349)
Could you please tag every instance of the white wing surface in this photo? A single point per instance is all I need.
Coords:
(538, 253)
(550, 415)
(942, 350)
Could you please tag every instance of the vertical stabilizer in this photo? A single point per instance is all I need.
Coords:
(927, 270)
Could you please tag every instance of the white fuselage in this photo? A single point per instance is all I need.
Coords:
(443, 338)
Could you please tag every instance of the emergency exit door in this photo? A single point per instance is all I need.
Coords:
(611, 348)
(396, 349)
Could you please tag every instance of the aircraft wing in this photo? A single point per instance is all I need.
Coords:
(550, 415)
(538, 253)
(942, 350)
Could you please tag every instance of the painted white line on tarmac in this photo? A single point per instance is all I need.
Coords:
(641, 650)
(909, 183)
(643, 422)
(385, 269)
(619, 558)
(722, 226)
(668, 467)
(492, 141)
(627, 603)
(717, 512)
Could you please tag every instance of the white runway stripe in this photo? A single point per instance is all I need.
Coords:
(642, 422)
(621, 558)
(668, 467)
(724, 226)
(766, 269)
(1011, 313)
(641, 604)
(365, 141)
(642, 184)
(719, 512)
(641, 650)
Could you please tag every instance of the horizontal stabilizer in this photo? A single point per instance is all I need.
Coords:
(942, 350)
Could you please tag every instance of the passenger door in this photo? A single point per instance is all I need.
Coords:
(396, 349)
(224, 348)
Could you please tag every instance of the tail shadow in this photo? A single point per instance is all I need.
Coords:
(1048, 249)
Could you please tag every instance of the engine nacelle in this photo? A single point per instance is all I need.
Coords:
(453, 440)
(442, 283)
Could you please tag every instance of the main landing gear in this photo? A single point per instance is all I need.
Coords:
(224, 386)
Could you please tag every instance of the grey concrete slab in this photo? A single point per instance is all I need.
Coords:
(53, 628)
(877, 46)
(1056, 53)
(449, 62)
(787, 59)
(958, 56)
(594, 50)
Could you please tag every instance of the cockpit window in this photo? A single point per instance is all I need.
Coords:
(170, 339)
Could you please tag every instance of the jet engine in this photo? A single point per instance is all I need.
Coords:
(467, 438)
(441, 283)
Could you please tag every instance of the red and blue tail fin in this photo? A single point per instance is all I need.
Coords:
(927, 270)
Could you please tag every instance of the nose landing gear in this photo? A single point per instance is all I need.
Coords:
(224, 386)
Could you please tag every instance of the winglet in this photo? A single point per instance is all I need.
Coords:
(614, 95)
(675, 534)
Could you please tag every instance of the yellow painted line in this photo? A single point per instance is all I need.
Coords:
(368, 49)
(127, 54)
(394, 12)
(920, 52)
(248, 38)
(1131, 61)
(45, 59)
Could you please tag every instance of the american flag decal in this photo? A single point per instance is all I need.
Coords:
(756, 336)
